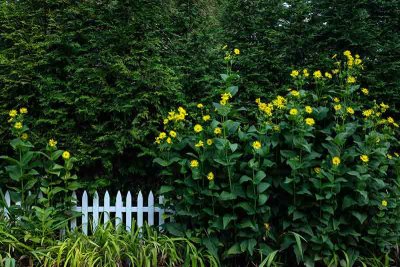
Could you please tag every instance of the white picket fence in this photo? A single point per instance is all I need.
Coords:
(120, 213)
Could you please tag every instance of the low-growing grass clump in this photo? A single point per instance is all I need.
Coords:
(310, 177)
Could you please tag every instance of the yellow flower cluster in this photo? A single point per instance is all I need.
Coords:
(199, 144)
(18, 125)
(52, 142)
(308, 109)
(210, 176)
(368, 112)
(206, 117)
(217, 131)
(295, 93)
(266, 108)
(328, 75)
(279, 102)
(350, 110)
(225, 98)
(365, 91)
(305, 73)
(294, 73)
(66, 155)
(176, 116)
(293, 112)
(351, 61)
(194, 163)
(198, 128)
(337, 107)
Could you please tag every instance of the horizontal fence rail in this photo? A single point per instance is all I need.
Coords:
(121, 210)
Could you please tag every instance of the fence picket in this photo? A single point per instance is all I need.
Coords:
(107, 209)
(140, 209)
(92, 213)
(118, 209)
(128, 206)
(8, 203)
(150, 205)
(96, 201)
(85, 214)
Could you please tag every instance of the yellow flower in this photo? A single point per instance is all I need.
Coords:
(368, 112)
(347, 53)
(350, 110)
(294, 73)
(236, 51)
(165, 121)
(337, 107)
(224, 98)
(210, 176)
(384, 107)
(328, 75)
(336, 100)
(200, 105)
(305, 73)
(172, 134)
(293, 112)
(390, 120)
(52, 143)
(279, 102)
(384, 203)
(365, 91)
(256, 145)
(169, 140)
(162, 135)
(13, 113)
(309, 109)
(23, 110)
(199, 144)
(364, 158)
(18, 125)
(66, 155)
(267, 227)
(198, 128)
(317, 74)
(295, 93)
(336, 161)
(209, 142)
(351, 79)
(24, 136)
(335, 71)
(317, 170)
(194, 163)
(310, 121)
(217, 131)
(389, 156)
(206, 117)
(357, 61)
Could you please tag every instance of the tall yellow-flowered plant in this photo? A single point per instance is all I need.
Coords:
(318, 161)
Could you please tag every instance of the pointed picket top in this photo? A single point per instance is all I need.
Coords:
(140, 209)
(128, 206)
(150, 204)
(106, 215)
(118, 209)
(161, 212)
(85, 215)
(96, 202)
(75, 200)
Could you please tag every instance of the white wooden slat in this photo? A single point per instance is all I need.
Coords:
(140, 209)
(73, 221)
(106, 210)
(128, 211)
(85, 215)
(8, 203)
(95, 210)
(118, 208)
(150, 205)
(161, 211)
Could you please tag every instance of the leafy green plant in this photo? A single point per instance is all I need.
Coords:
(310, 174)
(109, 246)
(39, 185)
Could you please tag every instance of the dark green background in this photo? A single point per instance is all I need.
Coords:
(99, 75)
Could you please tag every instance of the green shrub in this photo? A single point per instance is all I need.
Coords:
(313, 174)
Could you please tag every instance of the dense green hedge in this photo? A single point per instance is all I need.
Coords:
(96, 75)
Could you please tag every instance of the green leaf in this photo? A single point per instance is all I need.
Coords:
(260, 175)
(262, 187)
(227, 196)
(360, 216)
(235, 249)
(166, 189)
(227, 219)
